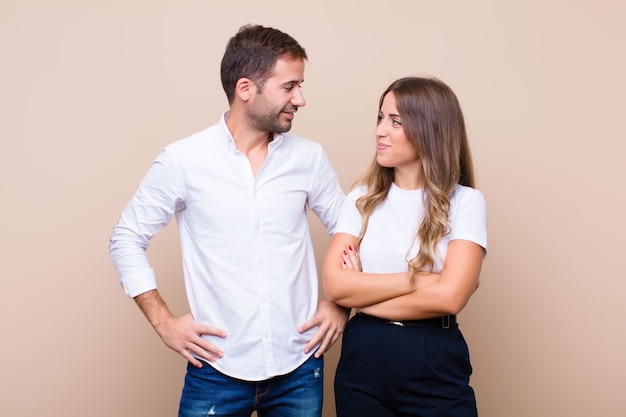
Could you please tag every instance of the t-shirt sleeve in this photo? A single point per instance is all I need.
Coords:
(469, 217)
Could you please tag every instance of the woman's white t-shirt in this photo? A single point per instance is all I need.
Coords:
(390, 240)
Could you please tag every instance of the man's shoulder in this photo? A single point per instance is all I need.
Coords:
(299, 143)
(195, 140)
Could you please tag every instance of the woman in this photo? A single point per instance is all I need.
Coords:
(407, 256)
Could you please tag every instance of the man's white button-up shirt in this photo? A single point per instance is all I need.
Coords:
(248, 258)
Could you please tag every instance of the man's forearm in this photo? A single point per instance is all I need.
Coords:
(153, 307)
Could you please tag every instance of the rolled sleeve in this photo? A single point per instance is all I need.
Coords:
(152, 207)
(139, 282)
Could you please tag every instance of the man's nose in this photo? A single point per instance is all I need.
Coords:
(298, 98)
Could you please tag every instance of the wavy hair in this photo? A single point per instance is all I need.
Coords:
(432, 120)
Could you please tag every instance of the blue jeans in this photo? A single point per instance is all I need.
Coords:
(207, 392)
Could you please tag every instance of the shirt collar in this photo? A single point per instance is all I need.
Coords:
(230, 142)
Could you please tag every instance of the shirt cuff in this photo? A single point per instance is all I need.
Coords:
(139, 282)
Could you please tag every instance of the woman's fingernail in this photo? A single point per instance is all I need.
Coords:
(349, 247)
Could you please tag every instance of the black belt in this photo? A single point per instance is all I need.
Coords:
(444, 322)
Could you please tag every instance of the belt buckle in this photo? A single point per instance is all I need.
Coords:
(445, 322)
(396, 323)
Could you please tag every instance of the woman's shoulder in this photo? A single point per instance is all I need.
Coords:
(463, 191)
(464, 196)
(357, 191)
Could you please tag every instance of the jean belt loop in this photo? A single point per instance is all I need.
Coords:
(445, 322)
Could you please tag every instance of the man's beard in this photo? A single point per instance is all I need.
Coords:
(268, 121)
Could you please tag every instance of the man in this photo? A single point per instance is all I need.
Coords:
(240, 190)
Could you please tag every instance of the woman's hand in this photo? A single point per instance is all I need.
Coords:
(351, 259)
(346, 284)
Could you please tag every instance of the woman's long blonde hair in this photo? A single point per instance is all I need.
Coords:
(433, 122)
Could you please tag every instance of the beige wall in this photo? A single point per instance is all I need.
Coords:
(91, 90)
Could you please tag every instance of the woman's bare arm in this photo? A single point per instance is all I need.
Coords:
(355, 289)
(448, 295)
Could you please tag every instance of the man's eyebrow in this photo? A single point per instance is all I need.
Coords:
(291, 82)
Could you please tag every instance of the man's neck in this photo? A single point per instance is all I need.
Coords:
(246, 138)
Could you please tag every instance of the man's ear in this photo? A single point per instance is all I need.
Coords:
(245, 89)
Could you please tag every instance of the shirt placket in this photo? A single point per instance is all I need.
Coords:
(261, 275)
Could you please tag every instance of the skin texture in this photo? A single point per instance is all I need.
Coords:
(393, 147)
(254, 116)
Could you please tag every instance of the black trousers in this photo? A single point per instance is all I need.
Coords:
(387, 370)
